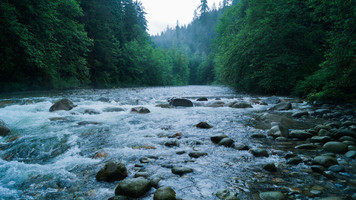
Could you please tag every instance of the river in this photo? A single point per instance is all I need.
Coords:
(51, 155)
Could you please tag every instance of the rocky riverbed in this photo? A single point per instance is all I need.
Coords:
(192, 142)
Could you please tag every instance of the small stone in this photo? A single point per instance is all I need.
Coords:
(163, 105)
(347, 138)
(325, 161)
(318, 169)
(133, 187)
(300, 114)
(351, 148)
(294, 161)
(182, 170)
(351, 154)
(141, 110)
(164, 193)
(242, 147)
(119, 197)
(331, 198)
(218, 138)
(91, 112)
(180, 152)
(172, 143)
(320, 139)
(259, 152)
(4, 130)
(203, 125)
(335, 147)
(336, 168)
(271, 167)
(84, 123)
(300, 134)
(227, 142)
(258, 135)
(112, 171)
(281, 139)
(197, 154)
(141, 174)
(113, 109)
(306, 146)
(272, 195)
(226, 195)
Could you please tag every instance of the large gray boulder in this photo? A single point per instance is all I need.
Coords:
(112, 171)
(335, 147)
(63, 104)
(180, 102)
(164, 193)
(133, 187)
(4, 130)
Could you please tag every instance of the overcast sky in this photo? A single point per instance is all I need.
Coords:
(161, 13)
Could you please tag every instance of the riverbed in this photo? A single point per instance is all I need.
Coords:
(56, 155)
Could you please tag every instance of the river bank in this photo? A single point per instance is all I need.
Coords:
(277, 144)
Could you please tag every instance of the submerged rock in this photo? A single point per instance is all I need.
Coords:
(141, 110)
(335, 147)
(133, 187)
(164, 193)
(197, 154)
(216, 139)
(182, 170)
(203, 125)
(202, 99)
(300, 134)
(225, 194)
(227, 142)
(306, 146)
(271, 167)
(4, 130)
(259, 152)
(180, 102)
(272, 100)
(112, 171)
(240, 105)
(275, 195)
(113, 109)
(64, 104)
(300, 114)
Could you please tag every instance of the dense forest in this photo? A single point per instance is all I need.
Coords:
(292, 47)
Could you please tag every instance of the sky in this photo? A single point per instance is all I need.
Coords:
(163, 13)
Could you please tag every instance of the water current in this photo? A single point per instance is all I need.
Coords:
(51, 155)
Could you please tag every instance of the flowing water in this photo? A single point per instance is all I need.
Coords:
(51, 155)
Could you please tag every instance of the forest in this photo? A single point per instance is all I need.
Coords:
(291, 47)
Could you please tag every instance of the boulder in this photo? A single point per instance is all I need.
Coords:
(240, 105)
(181, 170)
(141, 110)
(282, 106)
(300, 114)
(335, 147)
(216, 139)
(64, 104)
(325, 161)
(112, 171)
(202, 99)
(227, 142)
(197, 154)
(275, 195)
(241, 147)
(272, 100)
(271, 167)
(180, 102)
(164, 193)
(133, 187)
(259, 152)
(203, 125)
(300, 134)
(4, 130)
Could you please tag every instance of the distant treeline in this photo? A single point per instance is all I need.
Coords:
(51, 44)
(303, 48)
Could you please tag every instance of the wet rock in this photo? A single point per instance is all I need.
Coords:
(306, 146)
(336, 168)
(113, 109)
(141, 110)
(197, 154)
(64, 104)
(203, 125)
(300, 114)
(202, 99)
(216, 104)
(318, 169)
(322, 111)
(300, 134)
(164, 105)
(347, 138)
(348, 123)
(240, 105)
(324, 132)
(104, 99)
(294, 161)
(258, 136)
(141, 174)
(272, 100)
(264, 122)
(133, 187)
(227, 142)
(282, 106)
(241, 147)
(348, 142)
(281, 139)
(350, 190)
(271, 167)
(331, 198)
(182, 170)
(335, 147)
(320, 139)
(180, 152)
(155, 181)
(351, 148)
(275, 195)
(91, 112)
(84, 123)
(226, 195)
(216, 139)
(180, 102)
(53, 119)
(278, 131)
(325, 161)
(4, 130)
(172, 143)
(351, 154)
(164, 193)
(259, 152)
(120, 197)
(112, 171)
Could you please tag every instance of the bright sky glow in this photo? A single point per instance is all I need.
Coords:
(163, 13)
